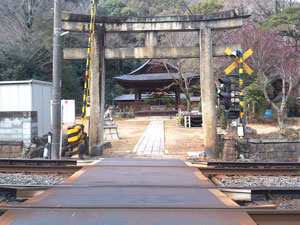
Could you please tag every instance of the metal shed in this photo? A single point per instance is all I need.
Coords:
(28, 95)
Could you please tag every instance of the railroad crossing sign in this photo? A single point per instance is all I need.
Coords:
(238, 60)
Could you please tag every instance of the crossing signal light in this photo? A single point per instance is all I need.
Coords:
(230, 114)
(227, 99)
(239, 57)
(236, 53)
(225, 92)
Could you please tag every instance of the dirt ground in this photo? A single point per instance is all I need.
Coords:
(269, 128)
(130, 132)
(178, 140)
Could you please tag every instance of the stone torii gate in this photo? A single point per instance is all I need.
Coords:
(203, 24)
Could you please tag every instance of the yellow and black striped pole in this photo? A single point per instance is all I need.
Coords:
(239, 61)
(241, 96)
(88, 63)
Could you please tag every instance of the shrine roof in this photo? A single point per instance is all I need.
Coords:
(152, 74)
(130, 97)
(152, 77)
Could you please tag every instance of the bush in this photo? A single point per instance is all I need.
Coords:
(200, 106)
(293, 107)
(289, 133)
(167, 100)
(183, 102)
(255, 100)
(150, 101)
(223, 120)
(181, 121)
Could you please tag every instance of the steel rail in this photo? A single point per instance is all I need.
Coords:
(37, 162)
(249, 171)
(253, 209)
(257, 189)
(248, 164)
(138, 166)
(39, 169)
(252, 188)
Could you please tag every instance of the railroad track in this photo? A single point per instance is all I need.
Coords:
(260, 213)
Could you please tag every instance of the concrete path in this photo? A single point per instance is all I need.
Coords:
(153, 140)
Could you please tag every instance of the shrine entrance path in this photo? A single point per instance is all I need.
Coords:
(152, 141)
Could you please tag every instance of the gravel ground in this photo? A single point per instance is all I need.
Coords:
(45, 179)
(281, 181)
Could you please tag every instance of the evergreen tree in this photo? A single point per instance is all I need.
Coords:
(286, 23)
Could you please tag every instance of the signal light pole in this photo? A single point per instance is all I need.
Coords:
(242, 127)
(239, 61)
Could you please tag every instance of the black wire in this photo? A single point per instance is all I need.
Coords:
(187, 7)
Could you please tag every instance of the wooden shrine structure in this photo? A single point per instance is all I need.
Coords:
(152, 77)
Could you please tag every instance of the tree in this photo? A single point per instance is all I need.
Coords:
(286, 23)
(153, 7)
(273, 58)
(254, 96)
(23, 49)
(189, 39)
(264, 9)
(185, 66)
(183, 80)
(111, 7)
(208, 6)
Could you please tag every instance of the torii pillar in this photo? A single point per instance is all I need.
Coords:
(97, 94)
(208, 93)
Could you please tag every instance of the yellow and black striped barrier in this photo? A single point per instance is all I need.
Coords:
(75, 138)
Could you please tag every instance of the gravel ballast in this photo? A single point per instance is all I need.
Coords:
(32, 179)
(280, 181)
(282, 202)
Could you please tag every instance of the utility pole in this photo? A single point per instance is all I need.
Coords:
(56, 88)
